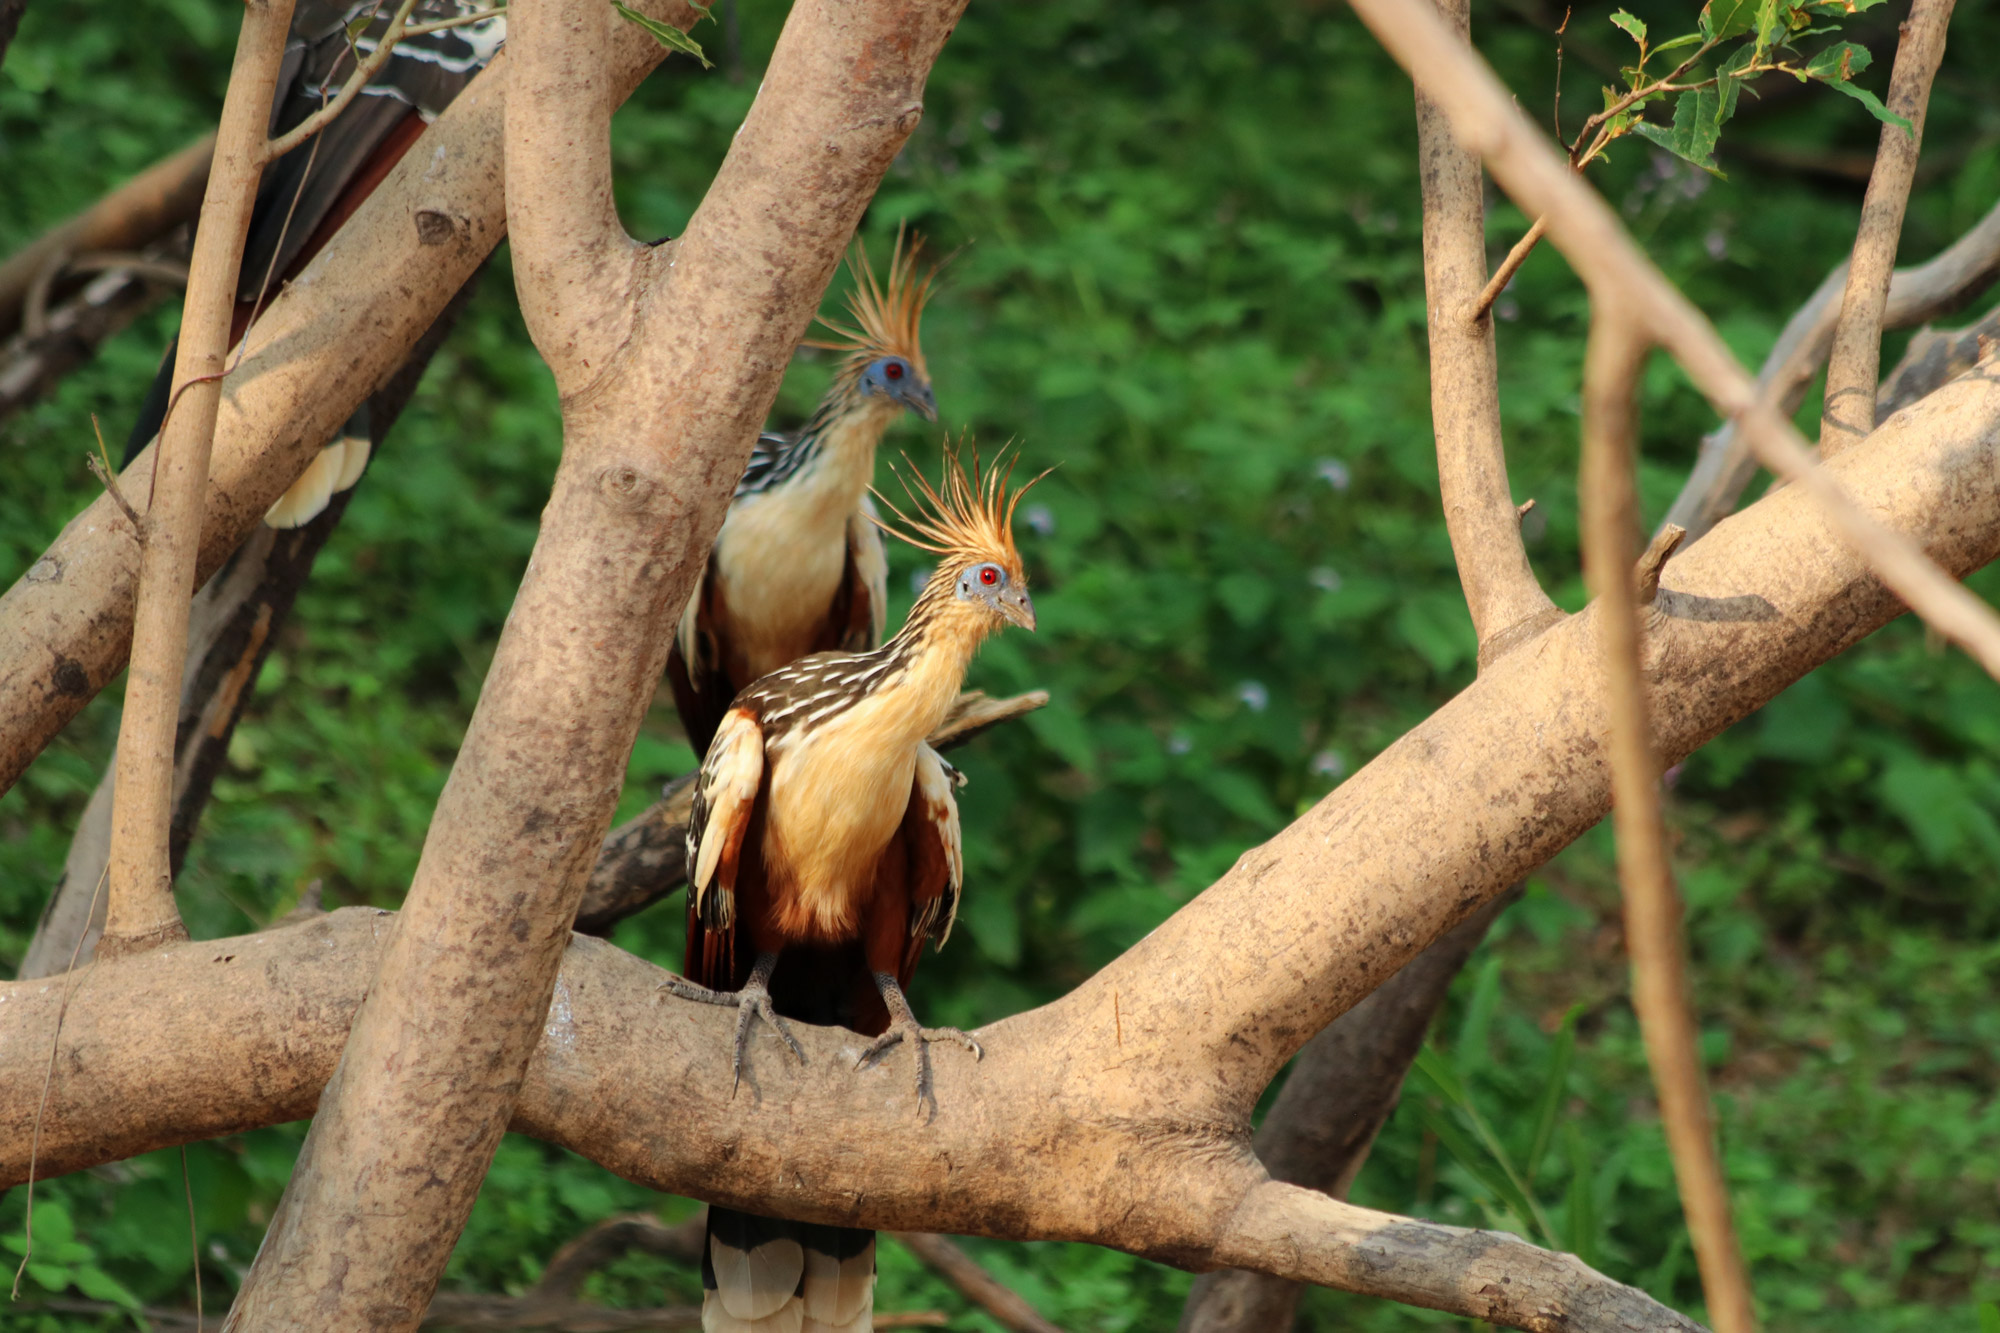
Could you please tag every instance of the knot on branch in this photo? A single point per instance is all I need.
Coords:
(436, 227)
(626, 488)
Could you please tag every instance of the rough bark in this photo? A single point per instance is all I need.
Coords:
(667, 359)
(32, 364)
(1341, 1091)
(1934, 358)
(1856, 361)
(1118, 1115)
(140, 910)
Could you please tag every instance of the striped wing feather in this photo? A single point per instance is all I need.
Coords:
(936, 858)
(725, 801)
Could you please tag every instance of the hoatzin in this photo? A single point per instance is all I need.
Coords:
(823, 852)
(307, 195)
(798, 566)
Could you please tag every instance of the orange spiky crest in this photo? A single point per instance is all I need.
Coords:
(888, 315)
(969, 520)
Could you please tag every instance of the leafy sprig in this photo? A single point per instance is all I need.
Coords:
(1704, 83)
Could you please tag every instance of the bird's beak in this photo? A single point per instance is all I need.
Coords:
(919, 399)
(1019, 610)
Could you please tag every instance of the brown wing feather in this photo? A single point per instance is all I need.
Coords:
(701, 684)
(725, 805)
(936, 862)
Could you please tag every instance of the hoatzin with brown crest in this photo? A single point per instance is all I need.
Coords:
(823, 853)
(798, 566)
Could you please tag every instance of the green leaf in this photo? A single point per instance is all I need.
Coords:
(1686, 39)
(99, 1285)
(1630, 25)
(1436, 1066)
(1724, 19)
(1874, 105)
(1838, 63)
(1698, 115)
(1480, 1164)
(1580, 1223)
(664, 33)
(1989, 1317)
(1549, 1105)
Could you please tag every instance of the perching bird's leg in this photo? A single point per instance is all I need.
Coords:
(903, 1024)
(753, 1001)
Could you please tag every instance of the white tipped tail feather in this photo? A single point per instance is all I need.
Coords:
(765, 1275)
(337, 467)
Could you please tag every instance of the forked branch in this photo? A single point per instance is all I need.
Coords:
(1537, 175)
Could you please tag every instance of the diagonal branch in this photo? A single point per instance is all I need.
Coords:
(141, 911)
(1856, 361)
(657, 429)
(1726, 464)
(1506, 601)
(1118, 1115)
(1531, 169)
(1653, 935)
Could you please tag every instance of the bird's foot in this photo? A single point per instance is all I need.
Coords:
(906, 1028)
(752, 1002)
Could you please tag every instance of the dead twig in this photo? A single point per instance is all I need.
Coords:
(952, 1263)
(1856, 360)
(1509, 266)
(1653, 938)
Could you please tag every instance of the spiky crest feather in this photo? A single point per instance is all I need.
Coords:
(888, 316)
(970, 520)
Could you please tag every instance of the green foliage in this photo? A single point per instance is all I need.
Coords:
(666, 34)
(1193, 279)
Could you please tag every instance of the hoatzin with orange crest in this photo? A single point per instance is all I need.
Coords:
(798, 566)
(823, 852)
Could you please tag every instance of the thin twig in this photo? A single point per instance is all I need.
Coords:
(1653, 939)
(1856, 363)
(99, 464)
(966, 1273)
(1508, 268)
(1539, 177)
(363, 72)
(194, 1239)
(142, 912)
(462, 21)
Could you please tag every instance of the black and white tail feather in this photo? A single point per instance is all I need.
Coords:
(767, 1275)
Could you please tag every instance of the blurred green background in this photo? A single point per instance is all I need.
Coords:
(1191, 275)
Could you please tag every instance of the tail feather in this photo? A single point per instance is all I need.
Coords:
(766, 1275)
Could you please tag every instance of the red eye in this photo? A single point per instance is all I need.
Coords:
(894, 370)
(989, 576)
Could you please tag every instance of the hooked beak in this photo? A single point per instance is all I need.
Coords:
(919, 399)
(1019, 610)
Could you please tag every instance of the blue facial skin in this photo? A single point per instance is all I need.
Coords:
(898, 381)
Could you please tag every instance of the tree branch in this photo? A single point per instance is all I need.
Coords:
(1653, 935)
(131, 217)
(1539, 178)
(141, 911)
(32, 364)
(367, 69)
(1341, 1091)
(234, 622)
(333, 336)
(1725, 464)
(1118, 1115)
(1506, 601)
(1934, 358)
(657, 429)
(1852, 370)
